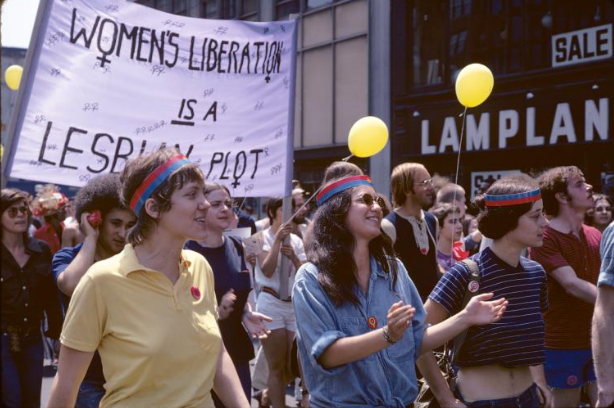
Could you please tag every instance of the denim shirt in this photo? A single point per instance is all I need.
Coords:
(383, 379)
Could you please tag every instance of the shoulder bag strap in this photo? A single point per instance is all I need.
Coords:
(474, 282)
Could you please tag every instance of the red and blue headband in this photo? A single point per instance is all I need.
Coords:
(343, 184)
(512, 199)
(153, 181)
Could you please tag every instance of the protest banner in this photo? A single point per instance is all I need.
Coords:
(110, 80)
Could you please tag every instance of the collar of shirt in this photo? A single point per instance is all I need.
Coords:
(130, 263)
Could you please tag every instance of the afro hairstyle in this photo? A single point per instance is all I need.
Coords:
(101, 193)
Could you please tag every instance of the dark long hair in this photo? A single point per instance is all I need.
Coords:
(10, 196)
(331, 247)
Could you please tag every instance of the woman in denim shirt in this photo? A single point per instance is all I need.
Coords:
(361, 324)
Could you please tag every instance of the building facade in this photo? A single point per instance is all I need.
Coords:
(552, 102)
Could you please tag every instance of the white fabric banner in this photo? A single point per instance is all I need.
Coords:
(114, 79)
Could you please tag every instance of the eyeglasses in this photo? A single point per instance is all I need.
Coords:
(603, 209)
(369, 200)
(12, 211)
(425, 183)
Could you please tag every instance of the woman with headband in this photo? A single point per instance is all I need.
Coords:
(150, 310)
(361, 324)
(501, 364)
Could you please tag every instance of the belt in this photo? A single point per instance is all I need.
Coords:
(273, 292)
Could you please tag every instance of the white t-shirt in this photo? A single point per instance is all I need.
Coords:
(273, 281)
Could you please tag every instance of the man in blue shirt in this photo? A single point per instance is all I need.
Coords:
(102, 241)
(603, 322)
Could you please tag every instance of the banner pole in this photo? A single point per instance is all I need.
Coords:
(23, 93)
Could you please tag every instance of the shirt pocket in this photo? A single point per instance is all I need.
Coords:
(404, 349)
(354, 326)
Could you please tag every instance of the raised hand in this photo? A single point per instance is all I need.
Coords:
(398, 319)
(86, 227)
(254, 323)
(227, 304)
(251, 259)
(283, 232)
(480, 311)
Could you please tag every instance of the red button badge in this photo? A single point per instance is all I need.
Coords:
(195, 292)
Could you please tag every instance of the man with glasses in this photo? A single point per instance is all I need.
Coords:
(413, 230)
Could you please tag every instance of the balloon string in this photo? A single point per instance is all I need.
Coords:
(312, 197)
(458, 157)
(303, 206)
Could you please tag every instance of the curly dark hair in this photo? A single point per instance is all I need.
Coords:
(331, 246)
(555, 181)
(100, 193)
(133, 175)
(495, 222)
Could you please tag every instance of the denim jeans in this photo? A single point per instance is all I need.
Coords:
(90, 394)
(22, 373)
(528, 399)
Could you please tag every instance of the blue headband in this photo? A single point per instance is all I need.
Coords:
(343, 184)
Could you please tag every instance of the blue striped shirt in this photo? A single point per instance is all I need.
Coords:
(518, 338)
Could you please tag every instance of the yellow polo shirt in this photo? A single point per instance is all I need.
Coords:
(159, 343)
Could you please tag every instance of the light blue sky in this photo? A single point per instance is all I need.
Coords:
(18, 18)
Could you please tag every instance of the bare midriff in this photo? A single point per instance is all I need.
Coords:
(494, 381)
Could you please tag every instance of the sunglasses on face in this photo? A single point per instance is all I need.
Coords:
(12, 211)
(369, 200)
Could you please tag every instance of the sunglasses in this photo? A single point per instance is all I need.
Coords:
(12, 211)
(369, 200)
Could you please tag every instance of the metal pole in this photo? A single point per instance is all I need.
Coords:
(23, 93)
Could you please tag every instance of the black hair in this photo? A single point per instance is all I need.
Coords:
(495, 222)
(331, 245)
(100, 193)
(10, 196)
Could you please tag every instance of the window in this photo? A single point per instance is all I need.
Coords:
(332, 88)
(229, 9)
(286, 7)
(180, 7)
(428, 18)
(209, 9)
(314, 4)
(249, 10)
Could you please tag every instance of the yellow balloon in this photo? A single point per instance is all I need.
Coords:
(368, 136)
(12, 75)
(474, 85)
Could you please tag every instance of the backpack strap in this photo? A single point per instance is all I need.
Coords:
(473, 287)
(239, 247)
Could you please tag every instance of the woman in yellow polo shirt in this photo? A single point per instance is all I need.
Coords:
(150, 311)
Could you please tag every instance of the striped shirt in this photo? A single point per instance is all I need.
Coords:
(518, 338)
